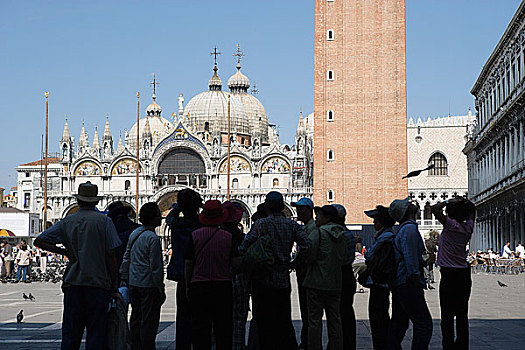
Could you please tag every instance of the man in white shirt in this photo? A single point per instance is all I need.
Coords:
(520, 251)
(506, 251)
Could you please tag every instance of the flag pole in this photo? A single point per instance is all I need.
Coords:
(45, 163)
(229, 139)
(138, 166)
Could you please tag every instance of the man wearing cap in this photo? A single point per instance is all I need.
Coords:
(305, 214)
(379, 300)
(209, 259)
(271, 293)
(118, 213)
(90, 239)
(408, 299)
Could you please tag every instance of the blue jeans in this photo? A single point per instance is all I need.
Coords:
(409, 304)
(22, 270)
(84, 307)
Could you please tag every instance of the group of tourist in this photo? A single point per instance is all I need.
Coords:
(218, 269)
(16, 261)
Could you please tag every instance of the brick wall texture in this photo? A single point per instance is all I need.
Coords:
(368, 98)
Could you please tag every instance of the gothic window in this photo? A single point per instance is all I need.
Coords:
(330, 115)
(182, 161)
(127, 185)
(330, 196)
(330, 75)
(235, 183)
(330, 35)
(440, 163)
(330, 155)
(207, 126)
(275, 183)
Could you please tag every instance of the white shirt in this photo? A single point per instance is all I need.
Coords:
(506, 251)
(520, 251)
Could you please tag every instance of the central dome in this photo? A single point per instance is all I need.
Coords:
(208, 111)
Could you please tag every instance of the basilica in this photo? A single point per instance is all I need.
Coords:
(188, 150)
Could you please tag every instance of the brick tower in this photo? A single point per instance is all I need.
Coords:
(360, 147)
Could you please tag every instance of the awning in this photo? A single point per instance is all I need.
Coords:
(6, 233)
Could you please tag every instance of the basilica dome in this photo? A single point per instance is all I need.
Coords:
(153, 124)
(239, 84)
(208, 111)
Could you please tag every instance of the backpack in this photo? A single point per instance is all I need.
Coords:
(259, 257)
(382, 268)
(117, 331)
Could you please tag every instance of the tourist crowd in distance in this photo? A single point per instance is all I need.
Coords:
(218, 269)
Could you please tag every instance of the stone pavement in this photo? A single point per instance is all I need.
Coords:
(497, 315)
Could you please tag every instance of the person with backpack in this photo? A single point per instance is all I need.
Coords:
(324, 279)
(380, 257)
(188, 203)
(209, 259)
(271, 289)
(142, 270)
(408, 298)
(456, 281)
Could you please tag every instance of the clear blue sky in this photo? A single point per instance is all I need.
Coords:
(93, 56)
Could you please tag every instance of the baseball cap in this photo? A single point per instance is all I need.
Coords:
(341, 211)
(327, 210)
(303, 202)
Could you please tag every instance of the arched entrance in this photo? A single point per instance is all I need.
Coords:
(71, 210)
(182, 166)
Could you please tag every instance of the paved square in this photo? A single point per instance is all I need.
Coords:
(497, 315)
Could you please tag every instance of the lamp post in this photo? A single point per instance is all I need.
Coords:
(138, 166)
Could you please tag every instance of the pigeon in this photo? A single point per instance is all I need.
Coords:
(31, 297)
(25, 296)
(20, 316)
(417, 172)
(501, 284)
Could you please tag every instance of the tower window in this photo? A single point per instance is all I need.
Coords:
(330, 155)
(330, 75)
(330, 115)
(330, 196)
(330, 35)
(440, 163)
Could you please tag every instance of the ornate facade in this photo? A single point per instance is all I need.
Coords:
(190, 150)
(496, 143)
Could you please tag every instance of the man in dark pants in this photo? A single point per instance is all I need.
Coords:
(305, 214)
(188, 203)
(271, 293)
(456, 282)
(379, 300)
(143, 270)
(408, 299)
(90, 239)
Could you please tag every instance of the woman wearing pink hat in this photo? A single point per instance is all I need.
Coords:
(208, 277)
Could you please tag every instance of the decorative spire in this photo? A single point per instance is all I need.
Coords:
(147, 129)
(254, 91)
(120, 146)
(84, 138)
(96, 141)
(154, 84)
(107, 132)
(66, 136)
(215, 82)
(239, 55)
